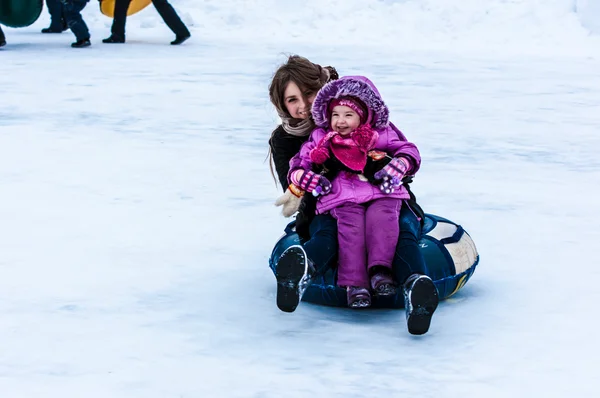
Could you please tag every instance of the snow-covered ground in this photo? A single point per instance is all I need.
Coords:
(136, 214)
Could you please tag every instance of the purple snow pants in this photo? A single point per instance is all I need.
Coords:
(368, 235)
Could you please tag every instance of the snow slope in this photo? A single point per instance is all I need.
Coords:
(136, 214)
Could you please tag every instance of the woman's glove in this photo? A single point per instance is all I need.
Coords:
(311, 182)
(290, 200)
(392, 174)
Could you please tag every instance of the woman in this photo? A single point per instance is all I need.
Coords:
(292, 92)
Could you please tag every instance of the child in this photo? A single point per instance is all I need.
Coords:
(72, 13)
(353, 121)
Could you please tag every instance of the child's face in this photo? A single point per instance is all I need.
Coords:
(344, 119)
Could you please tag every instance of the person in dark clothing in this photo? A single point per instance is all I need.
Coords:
(2, 38)
(58, 22)
(166, 11)
(319, 232)
(292, 92)
(72, 12)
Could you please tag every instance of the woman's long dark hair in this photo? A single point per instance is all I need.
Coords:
(307, 75)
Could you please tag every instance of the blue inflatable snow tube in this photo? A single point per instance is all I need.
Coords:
(449, 252)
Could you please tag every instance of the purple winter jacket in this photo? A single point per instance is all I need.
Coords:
(347, 186)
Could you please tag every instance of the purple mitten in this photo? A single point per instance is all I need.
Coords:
(392, 174)
(312, 182)
(323, 187)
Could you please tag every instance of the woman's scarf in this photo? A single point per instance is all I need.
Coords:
(297, 127)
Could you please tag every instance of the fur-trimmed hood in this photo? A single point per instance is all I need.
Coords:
(351, 86)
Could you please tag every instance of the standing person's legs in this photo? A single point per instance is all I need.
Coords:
(352, 267)
(75, 20)
(117, 29)
(58, 22)
(169, 15)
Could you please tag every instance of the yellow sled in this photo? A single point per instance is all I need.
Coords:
(107, 7)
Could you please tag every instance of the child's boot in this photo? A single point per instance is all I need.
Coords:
(382, 283)
(358, 297)
(420, 301)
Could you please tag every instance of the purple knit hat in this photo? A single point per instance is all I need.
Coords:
(353, 103)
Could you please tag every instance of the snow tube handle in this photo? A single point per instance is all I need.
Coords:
(290, 228)
(455, 237)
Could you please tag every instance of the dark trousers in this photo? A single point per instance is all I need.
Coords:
(408, 259)
(166, 11)
(322, 247)
(72, 11)
(57, 17)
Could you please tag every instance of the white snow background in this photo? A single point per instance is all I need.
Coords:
(137, 217)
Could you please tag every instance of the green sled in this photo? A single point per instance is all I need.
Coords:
(20, 13)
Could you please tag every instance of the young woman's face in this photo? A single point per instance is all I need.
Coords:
(344, 119)
(296, 102)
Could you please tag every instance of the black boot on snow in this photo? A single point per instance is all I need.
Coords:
(52, 30)
(114, 39)
(420, 301)
(81, 43)
(293, 275)
(180, 39)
